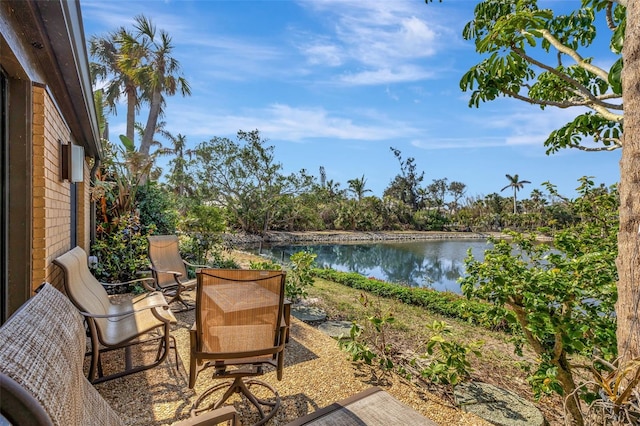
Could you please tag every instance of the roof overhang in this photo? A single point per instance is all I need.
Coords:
(54, 28)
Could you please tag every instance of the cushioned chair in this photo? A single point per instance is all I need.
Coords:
(239, 330)
(41, 370)
(145, 318)
(169, 269)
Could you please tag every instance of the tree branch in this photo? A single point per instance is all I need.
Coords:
(573, 54)
(583, 91)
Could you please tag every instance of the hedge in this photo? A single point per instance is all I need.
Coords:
(444, 303)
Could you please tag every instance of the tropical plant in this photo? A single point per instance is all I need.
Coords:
(357, 186)
(447, 361)
(121, 248)
(181, 182)
(516, 184)
(112, 66)
(158, 72)
(139, 65)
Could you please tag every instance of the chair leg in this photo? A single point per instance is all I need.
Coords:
(164, 346)
(96, 365)
(177, 297)
(240, 386)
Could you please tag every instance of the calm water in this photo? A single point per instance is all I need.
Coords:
(431, 263)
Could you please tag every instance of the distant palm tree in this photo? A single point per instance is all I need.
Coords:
(357, 186)
(517, 185)
(180, 181)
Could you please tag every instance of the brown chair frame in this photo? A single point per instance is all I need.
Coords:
(147, 318)
(246, 363)
(172, 280)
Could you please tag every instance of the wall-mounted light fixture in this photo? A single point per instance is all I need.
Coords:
(71, 162)
(77, 163)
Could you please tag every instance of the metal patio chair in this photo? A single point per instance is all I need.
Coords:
(145, 318)
(169, 269)
(239, 330)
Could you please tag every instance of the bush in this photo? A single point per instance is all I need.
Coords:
(156, 209)
(121, 249)
(299, 273)
(445, 303)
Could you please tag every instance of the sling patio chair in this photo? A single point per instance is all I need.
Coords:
(169, 269)
(239, 330)
(144, 319)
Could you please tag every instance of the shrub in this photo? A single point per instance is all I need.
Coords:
(121, 249)
(156, 209)
(299, 275)
(445, 303)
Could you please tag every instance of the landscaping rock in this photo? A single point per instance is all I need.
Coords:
(336, 329)
(498, 406)
(308, 313)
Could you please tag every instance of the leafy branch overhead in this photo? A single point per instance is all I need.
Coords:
(539, 57)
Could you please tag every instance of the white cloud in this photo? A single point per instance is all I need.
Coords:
(375, 42)
(458, 143)
(386, 76)
(296, 124)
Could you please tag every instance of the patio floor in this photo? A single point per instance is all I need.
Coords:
(316, 374)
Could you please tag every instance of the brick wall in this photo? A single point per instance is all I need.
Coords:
(52, 197)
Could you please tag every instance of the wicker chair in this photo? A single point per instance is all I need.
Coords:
(239, 330)
(146, 318)
(169, 269)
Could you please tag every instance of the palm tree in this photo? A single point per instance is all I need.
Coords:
(115, 68)
(179, 179)
(517, 185)
(159, 73)
(357, 186)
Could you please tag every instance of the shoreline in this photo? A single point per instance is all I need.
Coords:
(282, 237)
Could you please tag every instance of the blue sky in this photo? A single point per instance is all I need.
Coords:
(336, 83)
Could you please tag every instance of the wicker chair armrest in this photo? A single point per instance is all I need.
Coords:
(213, 417)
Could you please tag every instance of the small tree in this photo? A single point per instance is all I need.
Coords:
(562, 298)
(244, 178)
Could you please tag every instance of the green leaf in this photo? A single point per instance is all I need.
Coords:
(615, 76)
(127, 143)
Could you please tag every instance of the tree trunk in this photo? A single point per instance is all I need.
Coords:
(572, 401)
(131, 111)
(152, 121)
(628, 262)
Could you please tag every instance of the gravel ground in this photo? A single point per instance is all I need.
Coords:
(316, 374)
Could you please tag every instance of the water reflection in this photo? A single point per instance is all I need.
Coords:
(433, 263)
